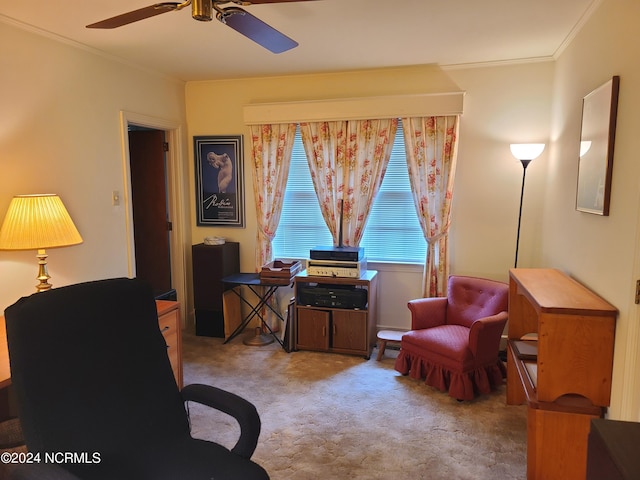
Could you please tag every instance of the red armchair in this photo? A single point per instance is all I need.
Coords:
(454, 341)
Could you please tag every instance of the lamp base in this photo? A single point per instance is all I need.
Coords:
(258, 339)
(43, 274)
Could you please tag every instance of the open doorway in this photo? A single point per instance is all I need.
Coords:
(177, 236)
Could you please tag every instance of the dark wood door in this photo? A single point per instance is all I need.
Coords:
(150, 217)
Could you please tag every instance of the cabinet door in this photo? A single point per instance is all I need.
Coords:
(313, 329)
(349, 330)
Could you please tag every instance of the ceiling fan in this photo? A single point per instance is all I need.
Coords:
(235, 17)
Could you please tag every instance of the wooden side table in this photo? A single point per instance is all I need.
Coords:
(5, 371)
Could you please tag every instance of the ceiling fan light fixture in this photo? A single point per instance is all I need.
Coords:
(202, 10)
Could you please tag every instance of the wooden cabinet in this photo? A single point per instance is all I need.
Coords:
(338, 330)
(567, 382)
(171, 328)
(211, 263)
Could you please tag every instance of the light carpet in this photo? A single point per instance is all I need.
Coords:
(331, 416)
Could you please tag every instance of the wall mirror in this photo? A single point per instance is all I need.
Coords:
(597, 139)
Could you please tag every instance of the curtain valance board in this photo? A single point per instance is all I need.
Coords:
(361, 108)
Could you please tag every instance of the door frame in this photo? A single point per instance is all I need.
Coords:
(175, 197)
(630, 391)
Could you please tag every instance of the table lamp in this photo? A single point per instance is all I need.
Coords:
(37, 222)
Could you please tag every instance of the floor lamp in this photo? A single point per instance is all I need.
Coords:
(525, 152)
(37, 222)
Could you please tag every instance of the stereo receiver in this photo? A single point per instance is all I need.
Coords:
(337, 296)
(327, 268)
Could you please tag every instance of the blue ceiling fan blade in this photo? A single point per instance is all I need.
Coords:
(255, 29)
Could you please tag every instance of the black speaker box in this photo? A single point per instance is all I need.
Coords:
(209, 323)
(211, 263)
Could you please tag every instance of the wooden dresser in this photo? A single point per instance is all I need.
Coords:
(171, 328)
(565, 376)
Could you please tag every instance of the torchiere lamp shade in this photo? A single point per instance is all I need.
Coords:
(526, 151)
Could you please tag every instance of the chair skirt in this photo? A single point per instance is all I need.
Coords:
(460, 376)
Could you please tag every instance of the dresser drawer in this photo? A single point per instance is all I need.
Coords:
(169, 323)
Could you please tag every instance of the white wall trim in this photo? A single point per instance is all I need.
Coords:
(176, 200)
(630, 403)
(630, 406)
(496, 63)
(81, 46)
(577, 27)
(391, 106)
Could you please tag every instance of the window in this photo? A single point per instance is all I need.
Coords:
(392, 234)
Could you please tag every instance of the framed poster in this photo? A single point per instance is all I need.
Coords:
(597, 139)
(219, 180)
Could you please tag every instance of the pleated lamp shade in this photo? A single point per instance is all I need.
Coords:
(37, 222)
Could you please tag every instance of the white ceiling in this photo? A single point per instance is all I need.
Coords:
(334, 35)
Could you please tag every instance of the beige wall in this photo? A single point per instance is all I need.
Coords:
(502, 105)
(601, 252)
(60, 133)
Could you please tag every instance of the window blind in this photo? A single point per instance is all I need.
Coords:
(392, 233)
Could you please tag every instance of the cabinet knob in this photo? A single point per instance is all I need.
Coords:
(165, 328)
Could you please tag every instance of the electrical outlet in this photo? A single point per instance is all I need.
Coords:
(115, 198)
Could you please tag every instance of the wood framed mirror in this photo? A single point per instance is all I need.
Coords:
(597, 139)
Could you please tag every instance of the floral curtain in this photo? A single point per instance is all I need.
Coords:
(348, 160)
(431, 146)
(271, 154)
